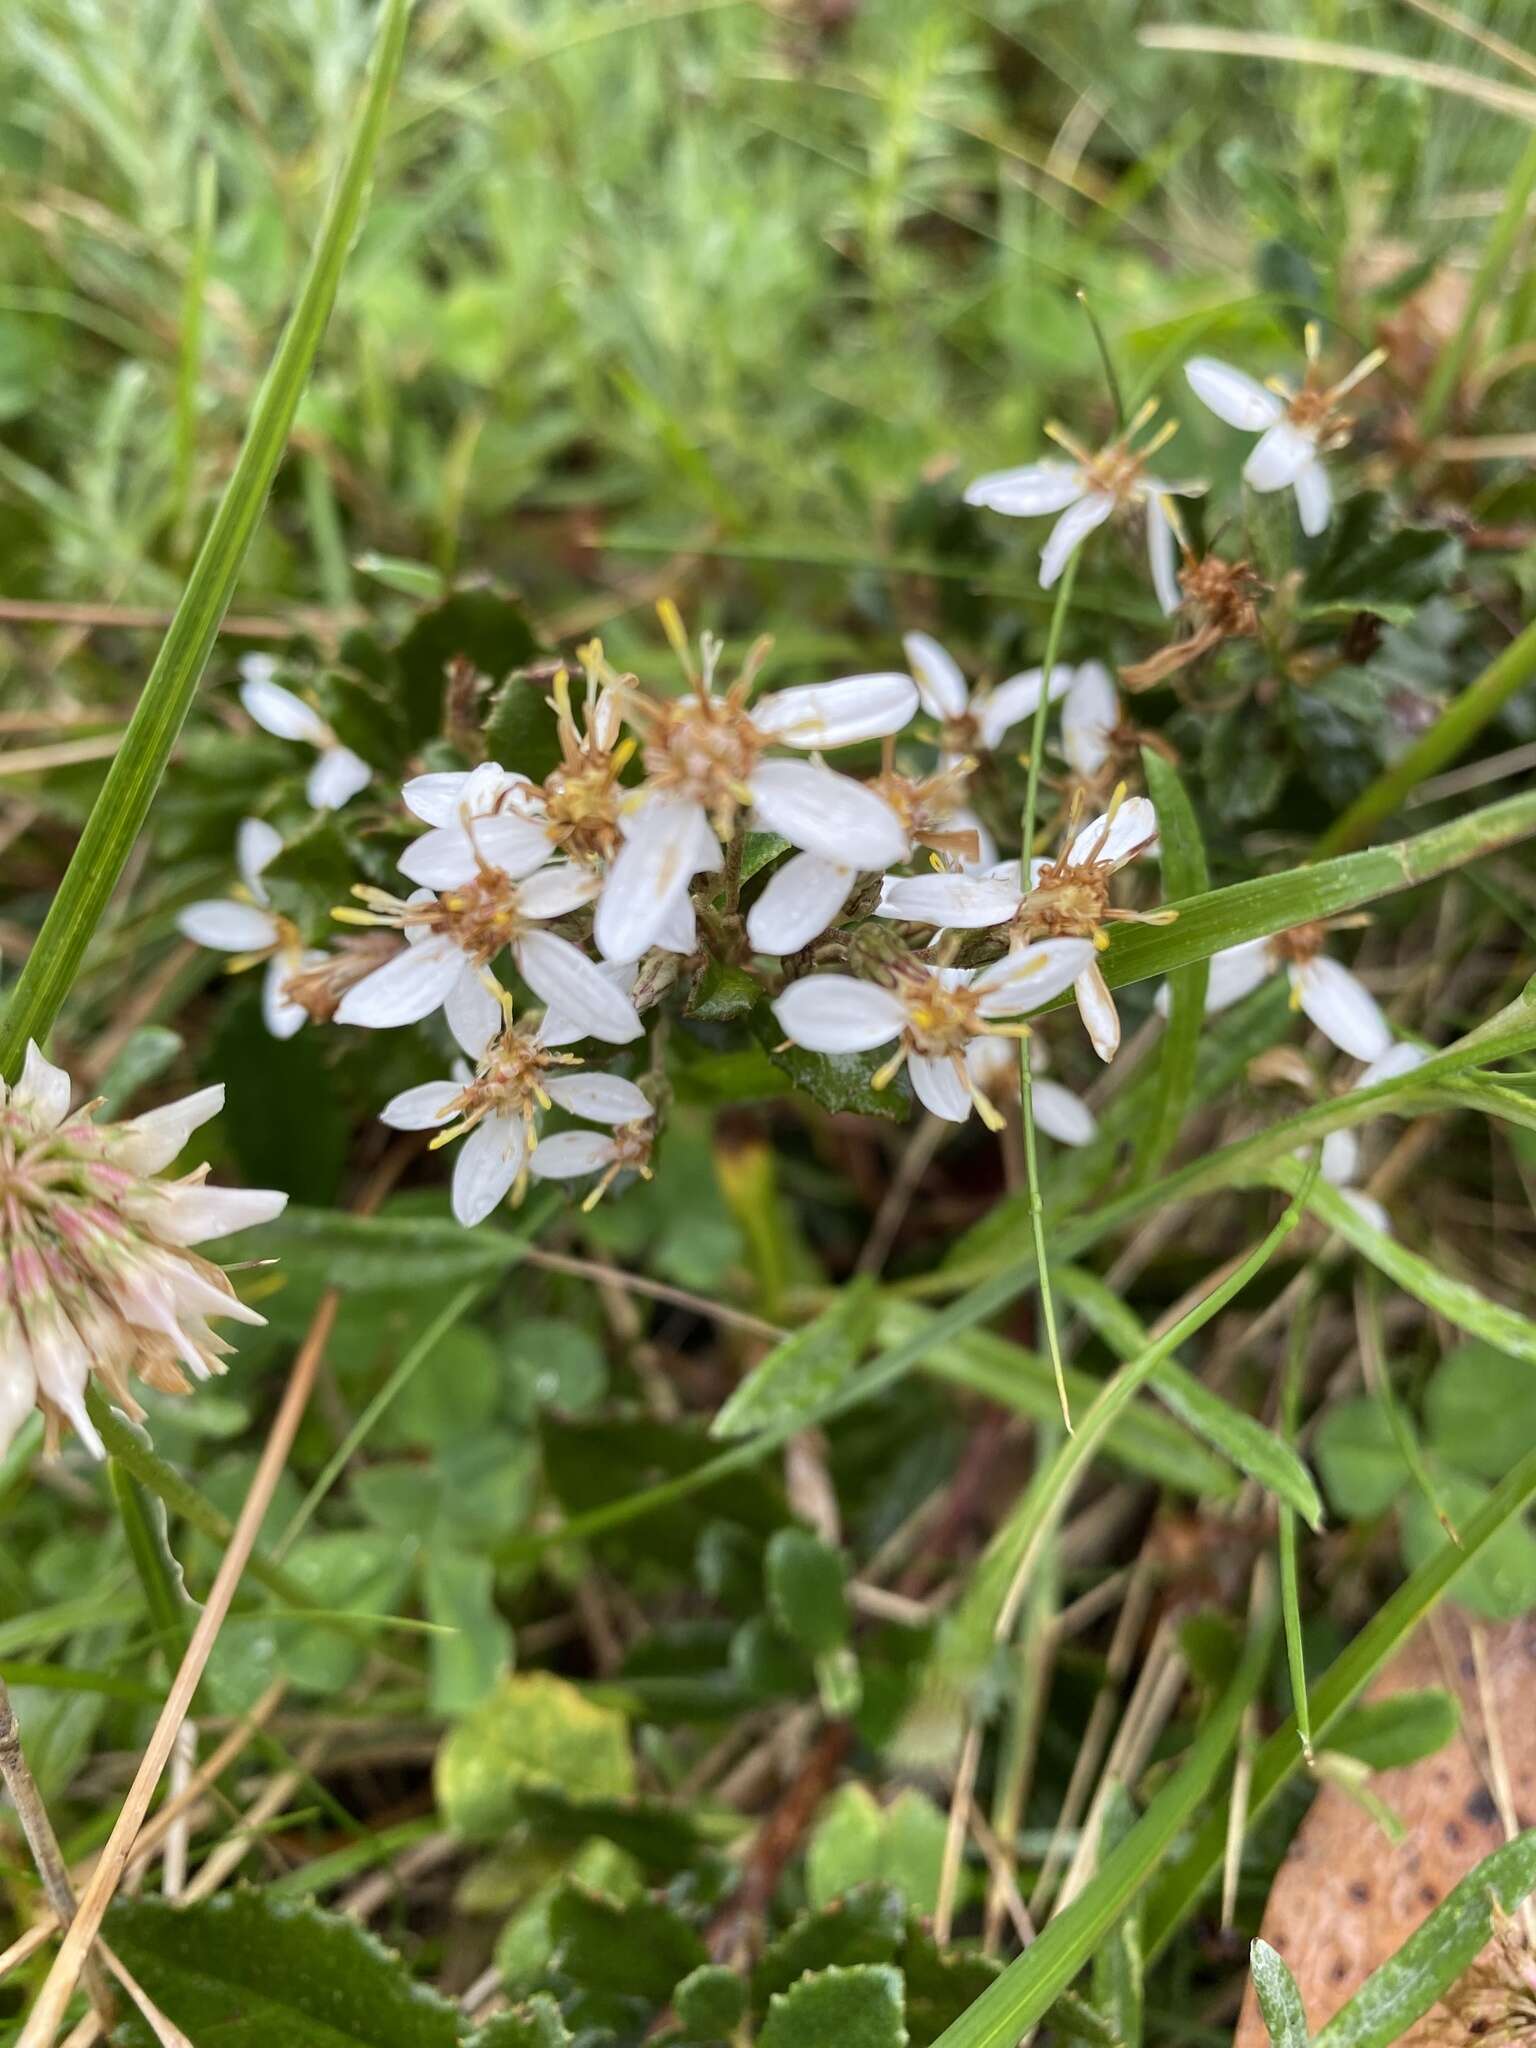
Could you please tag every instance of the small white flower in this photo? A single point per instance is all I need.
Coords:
(338, 774)
(1340, 1162)
(253, 931)
(95, 1271)
(573, 1155)
(1336, 1001)
(1090, 721)
(974, 723)
(1067, 898)
(453, 935)
(704, 760)
(1061, 1114)
(499, 1104)
(1296, 429)
(935, 1014)
(1086, 491)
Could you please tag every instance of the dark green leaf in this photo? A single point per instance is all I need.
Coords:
(723, 993)
(480, 626)
(806, 1582)
(535, 2025)
(640, 1948)
(1400, 1730)
(1372, 562)
(864, 1925)
(860, 2007)
(282, 1116)
(711, 2002)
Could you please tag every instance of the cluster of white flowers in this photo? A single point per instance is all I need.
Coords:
(888, 917)
(96, 1271)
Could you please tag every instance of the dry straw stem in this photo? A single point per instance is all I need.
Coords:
(1215, 42)
(47, 2015)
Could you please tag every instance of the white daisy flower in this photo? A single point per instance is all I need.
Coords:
(1086, 491)
(253, 931)
(498, 1106)
(574, 1155)
(453, 936)
(338, 774)
(1296, 428)
(934, 1013)
(1090, 721)
(1061, 1114)
(96, 1274)
(704, 760)
(1067, 898)
(974, 723)
(1336, 1001)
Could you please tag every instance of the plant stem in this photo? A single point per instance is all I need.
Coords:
(46, 1853)
(1026, 1080)
(1507, 229)
(1450, 735)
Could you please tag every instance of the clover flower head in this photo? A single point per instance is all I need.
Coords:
(1295, 428)
(97, 1274)
(248, 928)
(338, 773)
(933, 1013)
(1086, 491)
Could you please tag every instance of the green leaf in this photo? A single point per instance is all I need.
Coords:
(537, 2024)
(561, 1364)
(312, 875)
(249, 1971)
(491, 631)
(143, 1055)
(459, 1592)
(807, 1592)
(1360, 1459)
(390, 1253)
(1388, 1733)
(1118, 1991)
(1372, 562)
(723, 993)
(941, 1983)
(1184, 874)
(411, 579)
(841, 1082)
(857, 1841)
(803, 1371)
(860, 1925)
(1501, 1583)
(537, 1730)
(711, 2002)
(639, 1948)
(1480, 1409)
(285, 1122)
(118, 814)
(1434, 1956)
(1280, 2006)
(860, 2007)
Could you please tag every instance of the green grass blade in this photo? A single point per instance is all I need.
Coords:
(1491, 272)
(1007, 2009)
(1341, 1685)
(1280, 2006)
(1184, 875)
(126, 794)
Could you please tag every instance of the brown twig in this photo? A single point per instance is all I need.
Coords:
(777, 1840)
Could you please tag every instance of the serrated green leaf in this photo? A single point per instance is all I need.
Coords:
(537, 2024)
(723, 993)
(639, 1948)
(859, 2007)
(857, 1841)
(1434, 1956)
(536, 1730)
(250, 1972)
(312, 875)
(711, 2002)
(1372, 562)
(842, 1082)
(482, 626)
(806, 1368)
(860, 1925)
(1280, 2006)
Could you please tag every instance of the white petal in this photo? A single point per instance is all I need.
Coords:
(1096, 1007)
(279, 1012)
(489, 1161)
(800, 901)
(257, 845)
(679, 929)
(1236, 971)
(1342, 1008)
(560, 1028)
(940, 1087)
(191, 1215)
(553, 891)
(1088, 718)
(835, 1013)
(1162, 556)
(1015, 699)
(603, 1098)
(837, 714)
(1069, 533)
(279, 711)
(42, 1093)
(60, 1362)
(1063, 1115)
(1367, 1207)
(1403, 1058)
(957, 902)
(1340, 1162)
(148, 1142)
(444, 797)
(228, 927)
(1314, 498)
(1279, 458)
(257, 668)
(445, 859)
(653, 868)
(336, 778)
(422, 1108)
(18, 1395)
(568, 981)
(827, 813)
(405, 989)
(1037, 487)
(940, 680)
(1031, 975)
(571, 1154)
(1132, 829)
(473, 1010)
(1232, 394)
